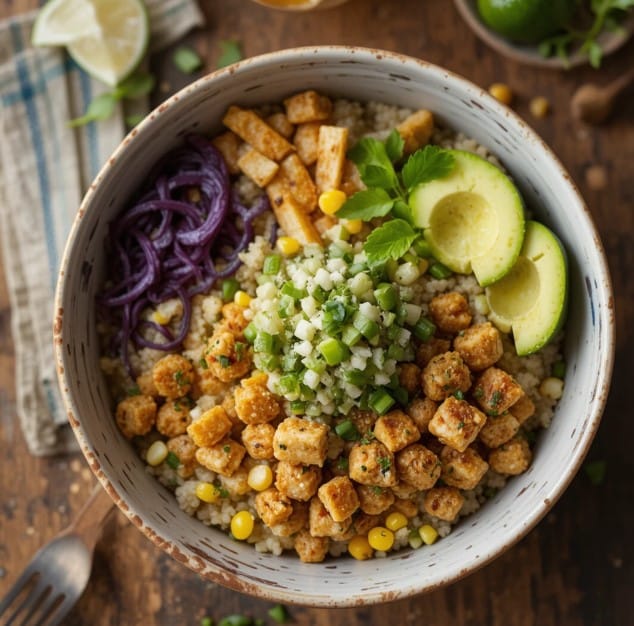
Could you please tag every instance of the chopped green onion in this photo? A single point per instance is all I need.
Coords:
(298, 407)
(229, 288)
(458, 395)
(414, 539)
(347, 430)
(350, 336)
(290, 362)
(424, 329)
(439, 271)
(250, 332)
(315, 363)
(288, 289)
(287, 306)
(356, 268)
(386, 296)
(380, 401)
(320, 294)
(264, 342)
(396, 352)
(272, 264)
(400, 395)
(333, 350)
(422, 249)
(172, 460)
(355, 377)
(236, 620)
(365, 326)
(279, 614)
(289, 384)
(268, 362)
(559, 369)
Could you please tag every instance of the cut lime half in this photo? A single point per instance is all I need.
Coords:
(107, 38)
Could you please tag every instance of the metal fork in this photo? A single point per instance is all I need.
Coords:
(57, 575)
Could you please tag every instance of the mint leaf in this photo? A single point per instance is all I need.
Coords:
(390, 241)
(135, 86)
(366, 204)
(100, 108)
(187, 60)
(394, 145)
(427, 164)
(230, 53)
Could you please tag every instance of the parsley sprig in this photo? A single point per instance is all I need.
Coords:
(388, 191)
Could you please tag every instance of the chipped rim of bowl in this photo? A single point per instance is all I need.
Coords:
(489, 553)
(529, 54)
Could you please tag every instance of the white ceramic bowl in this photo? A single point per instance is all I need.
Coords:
(358, 74)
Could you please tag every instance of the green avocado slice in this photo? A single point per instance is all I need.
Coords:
(531, 300)
(473, 219)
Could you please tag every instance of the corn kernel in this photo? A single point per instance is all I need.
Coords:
(352, 226)
(395, 521)
(160, 318)
(381, 538)
(539, 107)
(156, 453)
(207, 492)
(242, 525)
(552, 388)
(423, 265)
(288, 245)
(428, 534)
(359, 548)
(242, 298)
(260, 477)
(331, 201)
(502, 93)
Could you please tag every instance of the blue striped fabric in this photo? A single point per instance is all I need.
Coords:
(45, 166)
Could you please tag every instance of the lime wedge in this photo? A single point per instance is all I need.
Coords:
(107, 38)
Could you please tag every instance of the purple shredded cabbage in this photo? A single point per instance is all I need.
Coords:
(169, 246)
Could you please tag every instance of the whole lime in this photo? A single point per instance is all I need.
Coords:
(526, 21)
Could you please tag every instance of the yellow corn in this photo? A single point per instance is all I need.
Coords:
(331, 201)
(423, 265)
(501, 92)
(539, 107)
(381, 538)
(160, 318)
(260, 477)
(156, 453)
(242, 298)
(359, 548)
(207, 492)
(288, 245)
(395, 521)
(428, 534)
(242, 525)
(352, 226)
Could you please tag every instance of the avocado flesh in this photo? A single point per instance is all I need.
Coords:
(473, 219)
(531, 299)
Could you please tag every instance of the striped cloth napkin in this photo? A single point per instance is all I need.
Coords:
(45, 167)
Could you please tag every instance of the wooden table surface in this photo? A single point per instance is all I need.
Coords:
(576, 567)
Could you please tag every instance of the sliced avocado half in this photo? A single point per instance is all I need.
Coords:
(531, 299)
(473, 219)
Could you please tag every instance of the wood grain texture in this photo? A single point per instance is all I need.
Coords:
(575, 568)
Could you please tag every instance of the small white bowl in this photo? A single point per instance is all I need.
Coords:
(358, 74)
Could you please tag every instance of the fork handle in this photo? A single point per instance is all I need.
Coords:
(88, 523)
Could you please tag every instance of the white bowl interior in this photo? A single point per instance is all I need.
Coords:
(359, 75)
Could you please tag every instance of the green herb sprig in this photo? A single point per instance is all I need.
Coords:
(388, 191)
(102, 107)
(605, 17)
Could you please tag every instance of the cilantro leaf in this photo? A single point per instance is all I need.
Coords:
(394, 145)
(403, 211)
(375, 176)
(390, 241)
(427, 164)
(101, 108)
(135, 86)
(230, 53)
(366, 204)
(374, 165)
(187, 60)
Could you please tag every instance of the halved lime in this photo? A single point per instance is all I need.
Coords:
(107, 38)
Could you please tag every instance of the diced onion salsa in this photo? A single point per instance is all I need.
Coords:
(286, 353)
